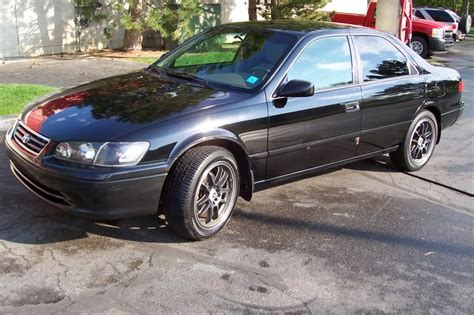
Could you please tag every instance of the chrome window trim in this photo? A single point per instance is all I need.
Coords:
(356, 65)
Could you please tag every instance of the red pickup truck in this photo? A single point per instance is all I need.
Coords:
(427, 36)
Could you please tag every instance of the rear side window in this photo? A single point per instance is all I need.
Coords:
(326, 63)
(440, 16)
(418, 14)
(380, 58)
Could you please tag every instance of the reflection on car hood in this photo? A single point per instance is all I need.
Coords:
(107, 108)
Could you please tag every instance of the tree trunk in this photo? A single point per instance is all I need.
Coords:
(252, 10)
(132, 40)
(465, 7)
(274, 9)
(133, 37)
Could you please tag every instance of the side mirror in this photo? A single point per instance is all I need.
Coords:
(297, 88)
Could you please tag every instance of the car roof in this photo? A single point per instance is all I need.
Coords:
(299, 28)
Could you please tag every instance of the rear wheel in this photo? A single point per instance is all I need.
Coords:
(419, 45)
(419, 143)
(201, 192)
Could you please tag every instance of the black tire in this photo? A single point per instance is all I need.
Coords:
(185, 183)
(420, 45)
(465, 24)
(406, 157)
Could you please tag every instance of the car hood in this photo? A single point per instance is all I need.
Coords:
(432, 24)
(106, 109)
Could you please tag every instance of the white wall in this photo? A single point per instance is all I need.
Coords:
(234, 11)
(346, 6)
(231, 10)
(8, 34)
(37, 27)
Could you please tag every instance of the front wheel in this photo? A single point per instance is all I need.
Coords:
(201, 192)
(419, 143)
(420, 46)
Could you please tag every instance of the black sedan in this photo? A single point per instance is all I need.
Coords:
(236, 109)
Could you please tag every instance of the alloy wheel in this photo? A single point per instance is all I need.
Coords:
(422, 142)
(216, 195)
(417, 47)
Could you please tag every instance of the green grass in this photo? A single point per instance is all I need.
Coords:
(13, 97)
(147, 60)
(189, 59)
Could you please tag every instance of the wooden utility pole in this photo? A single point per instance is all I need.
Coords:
(465, 7)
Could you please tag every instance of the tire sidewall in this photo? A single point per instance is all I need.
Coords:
(425, 114)
(424, 44)
(219, 155)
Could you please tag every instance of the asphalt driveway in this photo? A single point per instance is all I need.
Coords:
(65, 71)
(360, 239)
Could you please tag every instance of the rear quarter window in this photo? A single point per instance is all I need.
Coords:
(380, 58)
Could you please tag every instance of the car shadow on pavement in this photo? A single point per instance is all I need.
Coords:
(277, 223)
(380, 163)
(26, 219)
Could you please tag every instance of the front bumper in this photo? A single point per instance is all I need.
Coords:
(104, 197)
(438, 44)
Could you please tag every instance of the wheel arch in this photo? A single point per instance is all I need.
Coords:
(230, 141)
(436, 112)
(426, 37)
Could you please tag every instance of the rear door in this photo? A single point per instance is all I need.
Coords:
(307, 132)
(392, 91)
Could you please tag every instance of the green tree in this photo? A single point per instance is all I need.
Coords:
(165, 16)
(293, 9)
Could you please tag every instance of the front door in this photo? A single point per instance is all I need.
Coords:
(308, 132)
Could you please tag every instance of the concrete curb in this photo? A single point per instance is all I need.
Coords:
(6, 121)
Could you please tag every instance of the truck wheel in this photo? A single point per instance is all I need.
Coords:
(201, 192)
(419, 143)
(465, 25)
(419, 45)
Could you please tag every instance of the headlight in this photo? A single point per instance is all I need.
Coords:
(81, 152)
(121, 153)
(114, 154)
(437, 33)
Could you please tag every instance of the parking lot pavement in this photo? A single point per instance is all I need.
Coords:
(453, 162)
(63, 71)
(359, 239)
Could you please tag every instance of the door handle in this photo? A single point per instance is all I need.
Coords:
(352, 106)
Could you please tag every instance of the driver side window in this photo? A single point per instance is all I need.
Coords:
(326, 63)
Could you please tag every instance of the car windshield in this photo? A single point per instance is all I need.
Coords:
(229, 57)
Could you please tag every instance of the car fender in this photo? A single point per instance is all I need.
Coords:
(201, 137)
(431, 106)
(219, 134)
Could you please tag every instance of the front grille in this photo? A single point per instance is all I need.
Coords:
(29, 140)
(40, 190)
(448, 34)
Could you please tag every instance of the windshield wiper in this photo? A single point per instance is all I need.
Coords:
(162, 72)
(189, 77)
